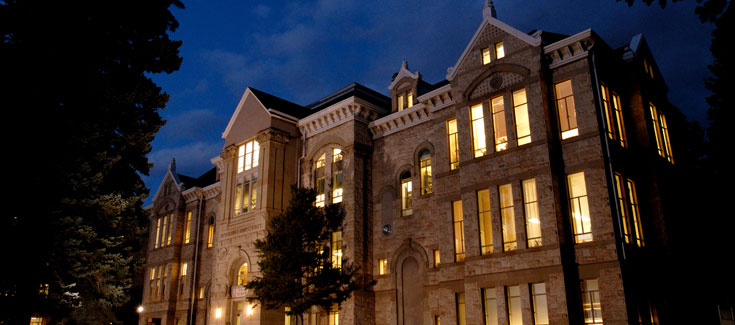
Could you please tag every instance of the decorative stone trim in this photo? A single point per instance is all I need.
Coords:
(438, 99)
(341, 112)
(400, 120)
(208, 192)
(570, 49)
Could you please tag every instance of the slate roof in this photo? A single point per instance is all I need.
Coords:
(280, 104)
(206, 179)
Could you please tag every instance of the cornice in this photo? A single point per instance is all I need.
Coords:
(346, 110)
(570, 49)
(208, 192)
(398, 121)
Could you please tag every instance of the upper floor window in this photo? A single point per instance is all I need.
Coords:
(458, 227)
(490, 306)
(163, 231)
(567, 111)
(404, 100)
(320, 180)
(425, 162)
(613, 115)
(337, 249)
(648, 68)
(508, 217)
(247, 156)
(499, 131)
(406, 190)
(499, 50)
(453, 144)
(581, 222)
(484, 216)
(246, 193)
(661, 133)
(530, 208)
(486, 56)
(628, 204)
(538, 301)
(210, 233)
(520, 111)
(182, 278)
(336, 175)
(478, 130)
(513, 303)
(187, 228)
(591, 306)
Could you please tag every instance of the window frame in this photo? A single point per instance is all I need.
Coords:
(571, 132)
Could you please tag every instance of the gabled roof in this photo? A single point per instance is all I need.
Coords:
(489, 20)
(271, 104)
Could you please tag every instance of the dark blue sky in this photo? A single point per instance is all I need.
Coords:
(304, 50)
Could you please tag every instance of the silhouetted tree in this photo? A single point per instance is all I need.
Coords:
(295, 258)
(80, 113)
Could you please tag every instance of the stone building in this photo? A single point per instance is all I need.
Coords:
(526, 188)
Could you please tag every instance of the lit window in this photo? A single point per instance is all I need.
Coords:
(458, 225)
(540, 308)
(513, 303)
(453, 144)
(437, 258)
(152, 284)
(567, 112)
(201, 293)
(334, 315)
(337, 175)
(320, 192)
(582, 225)
(242, 274)
(661, 131)
(490, 306)
(337, 249)
(383, 266)
(182, 278)
(591, 302)
(404, 100)
(499, 130)
(170, 225)
(163, 284)
(628, 204)
(520, 111)
(36, 321)
(320, 180)
(613, 115)
(406, 191)
(210, 234)
(288, 319)
(321, 161)
(246, 193)
(158, 232)
(499, 50)
(437, 320)
(187, 228)
(648, 68)
(425, 162)
(486, 55)
(530, 208)
(461, 316)
(486, 229)
(478, 130)
(247, 155)
(508, 218)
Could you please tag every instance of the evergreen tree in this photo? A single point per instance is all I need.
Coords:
(80, 112)
(296, 258)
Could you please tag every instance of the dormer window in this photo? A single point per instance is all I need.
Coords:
(404, 100)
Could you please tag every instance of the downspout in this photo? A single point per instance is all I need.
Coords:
(607, 156)
(193, 292)
(303, 155)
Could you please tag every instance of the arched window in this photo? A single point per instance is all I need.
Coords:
(425, 162)
(406, 189)
(242, 274)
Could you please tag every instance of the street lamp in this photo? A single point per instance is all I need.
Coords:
(140, 309)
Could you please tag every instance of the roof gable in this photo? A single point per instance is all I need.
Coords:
(481, 33)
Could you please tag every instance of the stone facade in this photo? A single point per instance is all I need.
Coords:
(593, 259)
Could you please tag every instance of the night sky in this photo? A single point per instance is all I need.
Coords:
(304, 50)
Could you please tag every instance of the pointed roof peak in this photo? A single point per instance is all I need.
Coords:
(403, 72)
(489, 10)
(172, 165)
